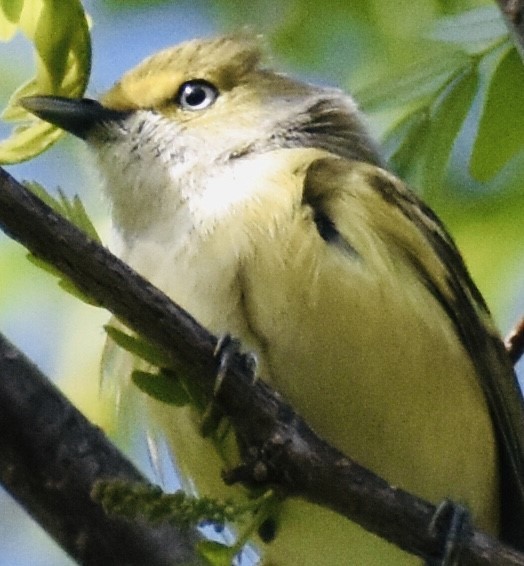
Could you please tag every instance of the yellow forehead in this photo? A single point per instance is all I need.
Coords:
(223, 61)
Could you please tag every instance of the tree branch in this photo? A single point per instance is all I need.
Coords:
(50, 458)
(285, 448)
(513, 12)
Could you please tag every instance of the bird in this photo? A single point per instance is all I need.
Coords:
(261, 205)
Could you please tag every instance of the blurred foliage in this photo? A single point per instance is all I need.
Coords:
(436, 95)
(60, 36)
(132, 500)
(502, 118)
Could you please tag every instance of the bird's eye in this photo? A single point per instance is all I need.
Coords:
(196, 95)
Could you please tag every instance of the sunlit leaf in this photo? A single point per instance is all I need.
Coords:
(26, 142)
(72, 210)
(13, 112)
(60, 36)
(446, 122)
(60, 43)
(11, 10)
(9, 15)
(76, 213)
(501, 129)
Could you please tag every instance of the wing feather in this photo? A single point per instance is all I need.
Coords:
(445, 275)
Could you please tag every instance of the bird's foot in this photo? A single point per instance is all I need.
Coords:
(227, 347)
(451, 523)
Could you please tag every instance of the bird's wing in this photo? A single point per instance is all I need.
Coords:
(444, 274)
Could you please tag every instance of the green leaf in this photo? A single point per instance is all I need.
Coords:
(60, 35)
(63, 282)
(419, 83)
(75, 212)
(405, 143)
(38, 190)
(13, 112)
(446, 122)
(28, 141)
(131, 499)
(138, 347)
(9, 16)
(11, 9)
(165, 388)
(72, 210)
(501, 129)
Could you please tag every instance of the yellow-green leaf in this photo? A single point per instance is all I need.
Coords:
(11, 10)
(73, 210)
(59, 32)
(9, 15)
(28, 141)
(446, 122)
(501, 129)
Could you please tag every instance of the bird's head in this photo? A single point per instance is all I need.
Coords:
(202, 105)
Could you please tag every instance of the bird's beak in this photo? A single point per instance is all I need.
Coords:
(77, 116)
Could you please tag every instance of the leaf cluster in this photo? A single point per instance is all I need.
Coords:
(60, 37)
(138, 500)
(474, 73)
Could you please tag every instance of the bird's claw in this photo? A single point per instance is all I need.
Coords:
(226, 348)
(451, 521)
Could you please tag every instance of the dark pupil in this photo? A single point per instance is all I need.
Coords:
(195, 95)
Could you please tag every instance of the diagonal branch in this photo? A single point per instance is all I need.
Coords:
(291, 454)
(50, 458)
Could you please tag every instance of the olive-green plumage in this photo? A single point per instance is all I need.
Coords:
(260, 205)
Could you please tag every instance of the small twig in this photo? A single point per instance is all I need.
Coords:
(514, 342)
